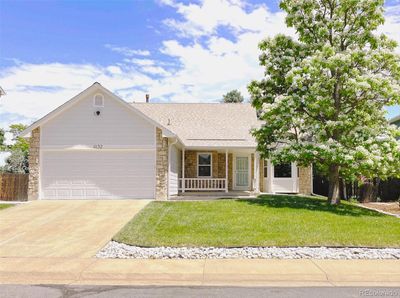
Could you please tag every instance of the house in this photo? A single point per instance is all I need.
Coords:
(395, 120)
(2, 92)
(98, 146)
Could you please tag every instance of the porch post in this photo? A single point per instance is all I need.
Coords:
(270, 174)
(226, 170)
(183, 169)
(257, 172)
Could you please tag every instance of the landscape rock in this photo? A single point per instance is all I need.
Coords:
(123, 251)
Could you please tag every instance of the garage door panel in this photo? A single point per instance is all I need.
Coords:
(97, 174)
(94, 194)
(76, 173)
(89, 172)
(114, 182)
(112, 155)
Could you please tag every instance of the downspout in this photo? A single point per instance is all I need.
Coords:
(169, 166)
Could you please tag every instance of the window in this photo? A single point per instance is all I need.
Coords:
(265, 168)
(204, 161)
(283, 170)
(98, 100)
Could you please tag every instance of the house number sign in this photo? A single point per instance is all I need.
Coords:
(98, 146)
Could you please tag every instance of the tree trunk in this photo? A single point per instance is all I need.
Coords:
(369, 191)
(334, 185)
(356, 193)
(343, 190)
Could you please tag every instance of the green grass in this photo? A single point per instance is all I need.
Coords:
(266, 221)
(4, 206)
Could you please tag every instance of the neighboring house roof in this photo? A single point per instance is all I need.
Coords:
(206, 124)
(2, 92)
(95, 87)
(394, 120)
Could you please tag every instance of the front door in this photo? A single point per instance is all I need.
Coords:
(242, 177)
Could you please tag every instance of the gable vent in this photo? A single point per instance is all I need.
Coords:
(98, 100)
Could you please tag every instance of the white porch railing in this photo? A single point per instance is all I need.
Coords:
(202, 184)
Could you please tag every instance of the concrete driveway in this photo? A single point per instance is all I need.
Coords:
(70, 229)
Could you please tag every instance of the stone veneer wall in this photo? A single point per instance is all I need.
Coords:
(161, 166)
(34, 169)
(221, 168)
(190, 164)
(305, 182)
(218, 165)
(221, 165)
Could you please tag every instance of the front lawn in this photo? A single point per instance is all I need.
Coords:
(4, 206)
(266, 221)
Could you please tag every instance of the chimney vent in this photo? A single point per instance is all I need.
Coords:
(147, 97)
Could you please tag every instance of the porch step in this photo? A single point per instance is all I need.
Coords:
(213, 195)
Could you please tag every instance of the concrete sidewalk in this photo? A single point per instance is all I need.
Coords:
(91, 271)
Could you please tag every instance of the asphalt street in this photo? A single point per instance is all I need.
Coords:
(52, 291)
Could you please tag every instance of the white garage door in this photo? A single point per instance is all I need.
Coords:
(99, 174)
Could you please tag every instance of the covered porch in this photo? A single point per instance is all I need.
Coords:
(205, 171)
(198, 173)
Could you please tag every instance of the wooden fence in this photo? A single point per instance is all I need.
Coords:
(387, 191)
(13, 187)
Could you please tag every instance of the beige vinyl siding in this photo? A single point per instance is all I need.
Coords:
(174, 170)
(116, 127)
(110, 156)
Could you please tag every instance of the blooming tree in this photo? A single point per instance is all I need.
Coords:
(322, 96)
(2, 138)
(17, 162)
(233, 96)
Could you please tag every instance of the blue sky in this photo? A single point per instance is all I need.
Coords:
(174, 50)
(76, 31)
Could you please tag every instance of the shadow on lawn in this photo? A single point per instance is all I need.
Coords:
(309, 203)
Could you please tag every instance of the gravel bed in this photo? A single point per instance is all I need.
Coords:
(123, 251)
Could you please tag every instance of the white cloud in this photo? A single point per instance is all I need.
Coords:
(218, 64)
(208, 64)
(155, 70)
(127, 51)
(392, 23)
(203, 19)
(141, 62)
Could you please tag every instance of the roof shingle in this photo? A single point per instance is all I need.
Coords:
(206, 124)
